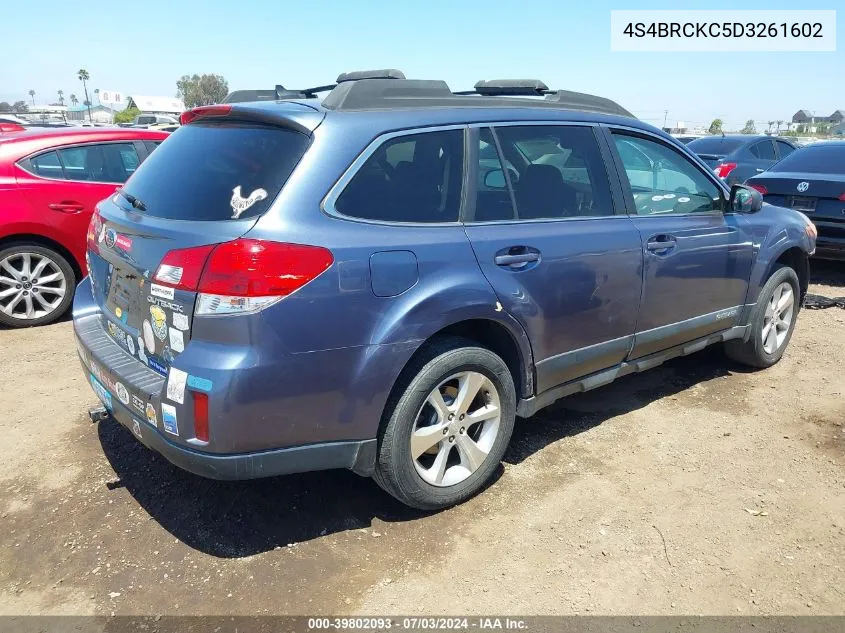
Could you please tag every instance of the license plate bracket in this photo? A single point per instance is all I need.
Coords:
(803, 204)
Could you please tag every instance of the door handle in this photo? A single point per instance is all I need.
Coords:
(66, 207)
(660, 243)
(516, 260)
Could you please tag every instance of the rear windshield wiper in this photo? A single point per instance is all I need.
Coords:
(135, 202)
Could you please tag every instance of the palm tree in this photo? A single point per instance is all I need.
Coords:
(73, 99)
(84, 77)
(61, 94)
(779, 124)
(32, 94)
(771, 123)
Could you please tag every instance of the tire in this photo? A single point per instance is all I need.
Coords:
(19, 258)
(754, 352)
(448, 366)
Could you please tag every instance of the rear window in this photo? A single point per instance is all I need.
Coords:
(815, 159)
(715, 145)
(217, 171)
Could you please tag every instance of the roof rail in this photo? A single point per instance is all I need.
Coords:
(581, 101)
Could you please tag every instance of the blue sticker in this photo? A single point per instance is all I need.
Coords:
(101, 391)
(168, 418)
(201, 384)
(157, 365)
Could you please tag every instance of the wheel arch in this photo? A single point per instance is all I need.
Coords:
(46, 242)
(797, 259)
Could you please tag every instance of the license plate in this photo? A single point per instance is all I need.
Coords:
(805, 205)
(102, 392)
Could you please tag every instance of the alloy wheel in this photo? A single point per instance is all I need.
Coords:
(32, 286)
(778, 317)
(456, 428)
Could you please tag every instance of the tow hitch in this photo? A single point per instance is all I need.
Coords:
(98, 414)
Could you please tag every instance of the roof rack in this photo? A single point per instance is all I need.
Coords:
(508, 87)
(388, 88)
(387, 73)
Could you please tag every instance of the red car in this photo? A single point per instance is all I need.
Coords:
(50, 181)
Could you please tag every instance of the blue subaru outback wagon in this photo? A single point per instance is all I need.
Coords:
(385, 279)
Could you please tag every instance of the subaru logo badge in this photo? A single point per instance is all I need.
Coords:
(111, 236)
(803, 186)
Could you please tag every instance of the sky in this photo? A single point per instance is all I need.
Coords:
(144, 48)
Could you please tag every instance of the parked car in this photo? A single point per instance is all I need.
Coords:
(143, 120)
(737, 157)
(50, 181)
(332, 285)
(812, 181)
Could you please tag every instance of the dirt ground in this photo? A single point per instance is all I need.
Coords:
(697, 487)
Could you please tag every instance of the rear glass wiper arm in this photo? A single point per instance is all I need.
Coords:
(135, 202)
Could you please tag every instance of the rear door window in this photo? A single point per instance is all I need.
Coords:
(555, 171)
(410, 178)
(47, 165)
(107, 162)
(763, 150)
(784, 149)
(217, 171)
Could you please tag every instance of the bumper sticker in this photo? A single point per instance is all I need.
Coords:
(180, 321)
(200, 384)
(164, 292)
(176, 385)
(130, 343)
(168, 418)
(159, 322)
(149, 339)
(122, 392)
(102, 394)
(177, 340)
(137, 403)
(141, 353)
(136, 427)
(156, 365)
(151, 415)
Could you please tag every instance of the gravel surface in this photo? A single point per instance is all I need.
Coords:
(698, 487)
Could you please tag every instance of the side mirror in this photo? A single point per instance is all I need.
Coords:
(745, 199)
(495, 179)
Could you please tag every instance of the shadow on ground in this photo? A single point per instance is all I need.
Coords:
(827, 272)
(237, 519)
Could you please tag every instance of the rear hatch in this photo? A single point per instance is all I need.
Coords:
(207, 184)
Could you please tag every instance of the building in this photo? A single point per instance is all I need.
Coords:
(99, 113)
(837, 117)
(156, 105)
(803, 116)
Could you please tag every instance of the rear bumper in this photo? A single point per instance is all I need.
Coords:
(134, 396)
(358, 457)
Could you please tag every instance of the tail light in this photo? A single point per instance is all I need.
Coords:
(95, 227)
(243, 275)
(724, 169)
(761, 188)
(11, 127)
(204, 111)
(200, 416)
(842, 197)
